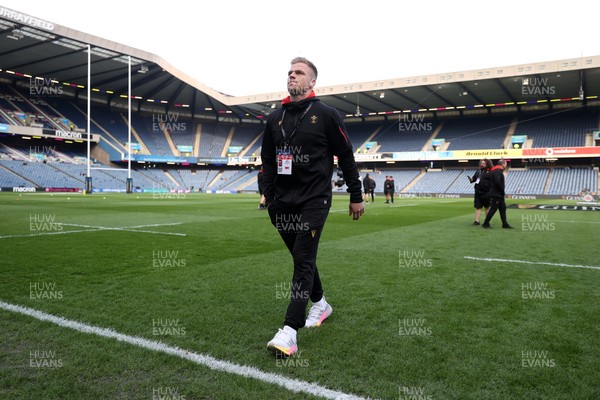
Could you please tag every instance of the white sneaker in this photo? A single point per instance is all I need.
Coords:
(284, 341)
(317, 314)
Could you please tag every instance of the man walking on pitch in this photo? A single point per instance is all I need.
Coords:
(299, 144)
(497, 195)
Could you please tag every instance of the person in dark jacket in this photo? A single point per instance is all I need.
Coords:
(497, 193)
(372, 186)
(261, 189)
(389, 186)
(366, 187)
(386, 189)
(481, 179)
(298, 148)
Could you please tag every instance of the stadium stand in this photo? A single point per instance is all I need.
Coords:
(412, 136)
(401, 177)
(475, 133)
(572, 181)
(461, 184)
(359, 133)
(435, 181)
(530, 181)
(557, 130)
(213, 140)
(19, 166)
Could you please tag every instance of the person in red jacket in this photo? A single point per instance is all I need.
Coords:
(497, 195)
(299, 144)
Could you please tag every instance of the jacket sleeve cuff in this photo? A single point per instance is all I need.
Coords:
(356, 197)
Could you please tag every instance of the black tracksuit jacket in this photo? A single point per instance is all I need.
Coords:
(497, 182)
(483, 187)
(319, 136)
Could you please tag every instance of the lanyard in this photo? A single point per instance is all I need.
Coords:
(286, 140)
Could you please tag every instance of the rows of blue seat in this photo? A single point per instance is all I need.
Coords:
(562, 128)
(565, 128)
(568, 181)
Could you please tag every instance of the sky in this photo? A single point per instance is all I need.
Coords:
(245, 47)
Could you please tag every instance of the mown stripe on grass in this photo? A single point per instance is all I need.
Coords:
(293, 385)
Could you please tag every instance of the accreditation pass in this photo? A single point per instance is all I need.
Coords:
(284, 162)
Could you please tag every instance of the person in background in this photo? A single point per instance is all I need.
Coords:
(372, 186)
(386, 189)
(481, 179)
(366, 187)
(497, 194)
(261, 189)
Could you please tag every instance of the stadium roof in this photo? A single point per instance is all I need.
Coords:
(31, 47)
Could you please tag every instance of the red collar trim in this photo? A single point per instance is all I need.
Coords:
(497, 167)
(288, 99)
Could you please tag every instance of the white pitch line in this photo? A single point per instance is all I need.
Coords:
(293, 385)
(48, 233)
(578, 222)
(149, 225)
(127, 229)
(124, 227)
(100, 228)
(532, 262)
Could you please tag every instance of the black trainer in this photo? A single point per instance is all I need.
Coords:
(486, 226)
(507, 226)
(476, 223)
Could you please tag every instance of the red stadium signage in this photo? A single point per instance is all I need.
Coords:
(542, 152)
(562, 152)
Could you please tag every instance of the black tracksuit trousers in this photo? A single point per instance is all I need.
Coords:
(301, 231)
(497, 204)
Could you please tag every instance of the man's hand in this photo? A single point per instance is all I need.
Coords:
(356, 210)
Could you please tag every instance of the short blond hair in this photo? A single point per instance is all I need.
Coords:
(306, 61)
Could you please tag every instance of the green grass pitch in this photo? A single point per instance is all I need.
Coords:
(413, 318)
